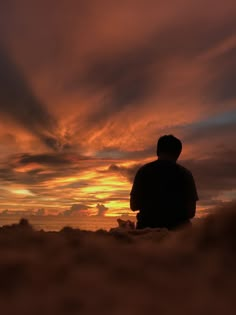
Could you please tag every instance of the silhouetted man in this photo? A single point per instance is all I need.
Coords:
(163, 191)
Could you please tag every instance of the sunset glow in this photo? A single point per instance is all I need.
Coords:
(86, 92)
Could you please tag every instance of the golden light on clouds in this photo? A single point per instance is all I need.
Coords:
(23, 192)
(83, 104)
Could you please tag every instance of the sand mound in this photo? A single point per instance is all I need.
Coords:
(121, 272)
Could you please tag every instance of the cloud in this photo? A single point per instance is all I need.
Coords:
(124, 68)
(141, 71)
(127, 172)
(215, 176)
(212, 133)
(117, 153)
(101, 209)
(102, 83)
(40, 212)
(223, 66)
(18, 102)
(45, 159)
(44, 172)
(126, 78)
(76, 209)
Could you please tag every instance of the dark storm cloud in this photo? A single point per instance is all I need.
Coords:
(18, 102)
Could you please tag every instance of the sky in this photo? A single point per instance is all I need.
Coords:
(87, 87)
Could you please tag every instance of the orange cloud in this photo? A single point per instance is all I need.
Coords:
(86, 92)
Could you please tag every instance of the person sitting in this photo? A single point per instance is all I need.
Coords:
(163, 191)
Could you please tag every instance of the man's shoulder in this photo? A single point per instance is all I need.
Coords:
(164, 164)
(148, 166)
(156, 165)
(184, 170)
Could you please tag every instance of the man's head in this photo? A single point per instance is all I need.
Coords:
(169, 148)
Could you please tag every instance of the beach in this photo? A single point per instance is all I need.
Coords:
(191, 271)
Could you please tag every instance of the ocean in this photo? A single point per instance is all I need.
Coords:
(56, 223)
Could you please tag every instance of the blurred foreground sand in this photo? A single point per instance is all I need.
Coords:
(121, 272)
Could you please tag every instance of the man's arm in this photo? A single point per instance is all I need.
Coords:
(134, 204)
(191, 196)
(136, 192)
(191, 208)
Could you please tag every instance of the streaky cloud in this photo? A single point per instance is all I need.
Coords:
(19, 103)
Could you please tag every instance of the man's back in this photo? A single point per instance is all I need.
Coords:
(162, 192)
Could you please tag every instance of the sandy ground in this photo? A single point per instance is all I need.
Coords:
(121, 272)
